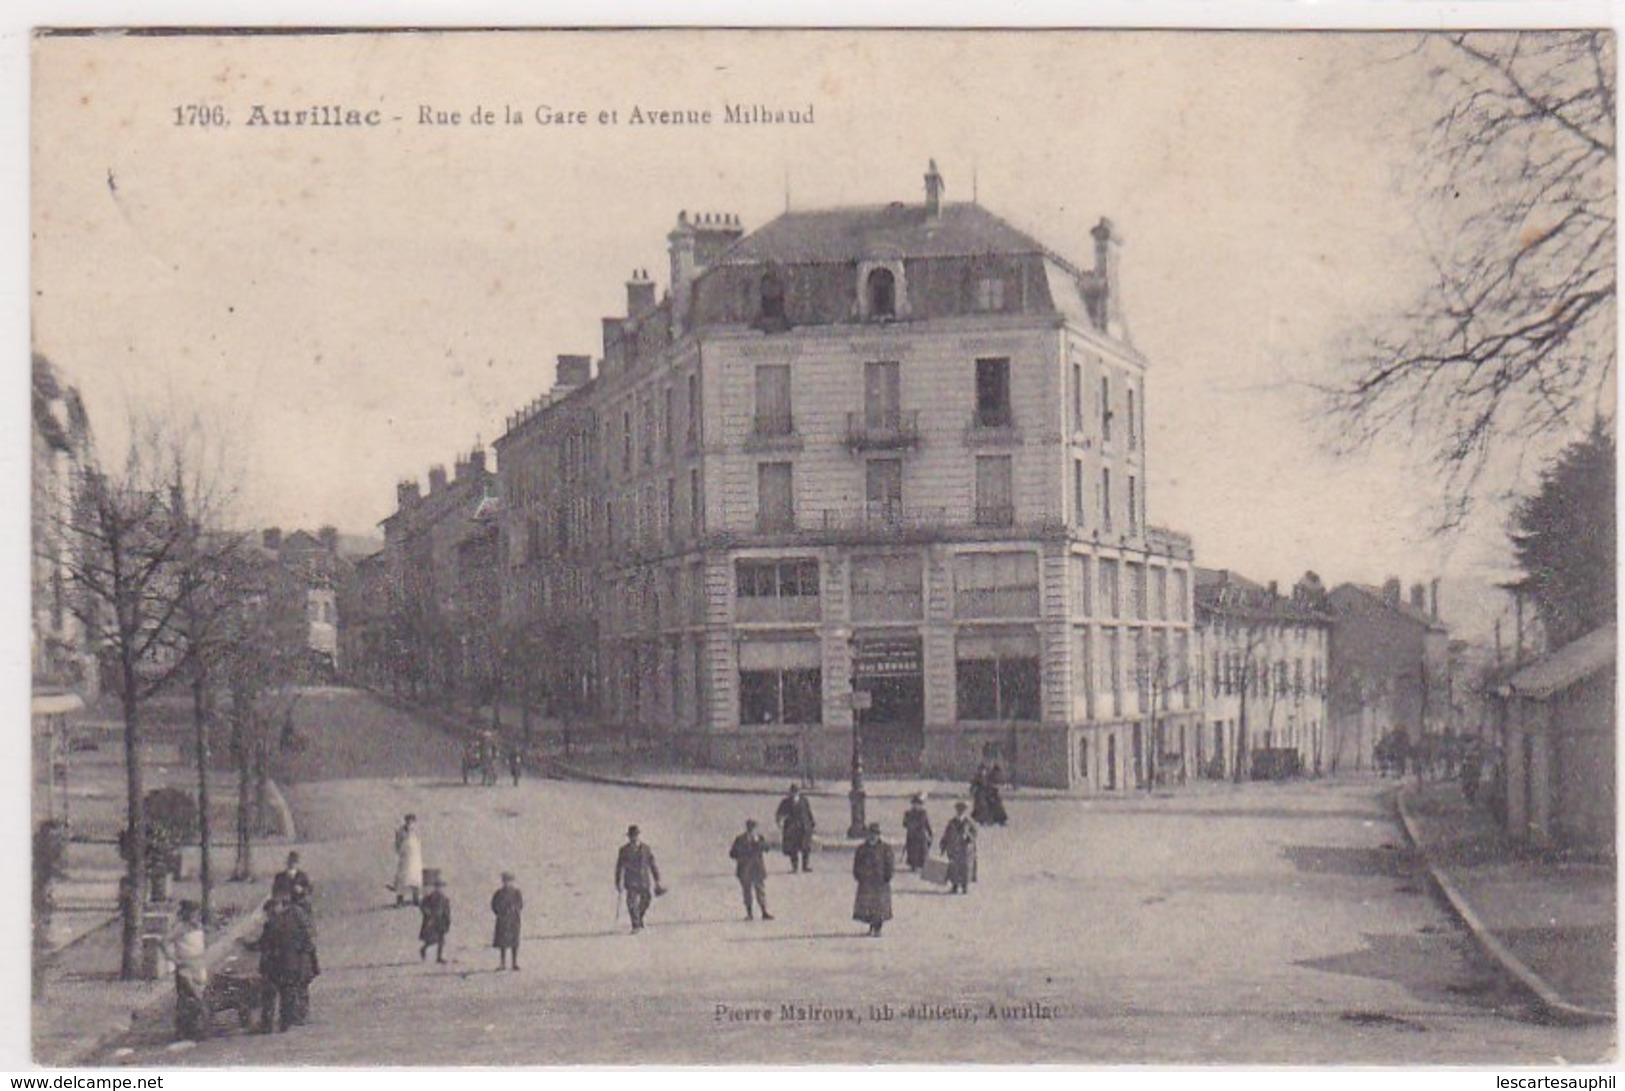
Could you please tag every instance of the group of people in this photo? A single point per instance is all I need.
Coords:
(485, 752)
(426, 889)
(987, 796)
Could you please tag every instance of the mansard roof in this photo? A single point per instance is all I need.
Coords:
(859, 233)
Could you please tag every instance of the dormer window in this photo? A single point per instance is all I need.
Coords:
(772, 297)
(881, 289)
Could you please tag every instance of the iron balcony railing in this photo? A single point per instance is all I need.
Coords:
(872, 429)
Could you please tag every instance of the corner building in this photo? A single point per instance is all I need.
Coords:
(897, 451)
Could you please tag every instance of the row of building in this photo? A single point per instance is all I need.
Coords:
(871, 479)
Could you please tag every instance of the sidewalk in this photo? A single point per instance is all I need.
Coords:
(1550, 922)
(87, 1009)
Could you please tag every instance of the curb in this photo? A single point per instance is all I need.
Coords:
(557, 770)
(1551, 1002)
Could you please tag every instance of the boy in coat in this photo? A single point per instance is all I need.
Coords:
(436, 909)
(507, 903)
(750, 868)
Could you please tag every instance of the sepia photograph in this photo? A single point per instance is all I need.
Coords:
(800, 547)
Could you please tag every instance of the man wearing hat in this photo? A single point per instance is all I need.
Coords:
(796, 825)
(750, 867)
(917, 826)
(507, 903)
(638, 875)
(872, 867)
(436, 910)
(959, 845)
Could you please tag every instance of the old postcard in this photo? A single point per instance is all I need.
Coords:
(790, 547)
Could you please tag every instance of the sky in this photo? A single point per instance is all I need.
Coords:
(346, 306)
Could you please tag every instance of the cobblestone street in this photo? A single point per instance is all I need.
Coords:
(1264, 924)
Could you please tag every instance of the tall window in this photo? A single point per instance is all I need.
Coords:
(626, 440)
(780, 683)
(1078, 503)
(671, 507)
(882, 290)
(883, 488)
(995, 506)
(1077, 396)
(997, 677)
(1133, 422)
(775, 496)
(993, 393)
(773, 400)
(1110, 604)
(772, 297)
(1136, 590)
(990, 294)
(1159, 593)
(693, 433)
(1002, 584)
(1180, 594)
(694, 500)
(668, 422)
(1133, 505)
(1106, 498)
(1105, 408)
(882, 394)
(1082, 596)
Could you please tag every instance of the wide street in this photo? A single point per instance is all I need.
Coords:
(1259, 924)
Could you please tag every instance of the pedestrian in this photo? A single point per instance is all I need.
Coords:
(436, 911)
(637, 874)
(187, 947)
(488, 759)
(516, 762)
(287, 965)
(994, 792)
(408, 862)
(796, 825)
(978, 793)
(750, 868)
(917, 827)
(959, 845)
(872, 867)
(507, 903)
(294, 881)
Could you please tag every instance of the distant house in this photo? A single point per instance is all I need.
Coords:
(1557, 718)
(1390, 666)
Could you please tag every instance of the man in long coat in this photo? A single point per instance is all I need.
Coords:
(750, 868)
(408, 861)
(959, 845)
(917, 826)
(638, 875)
(436, 910)
(796, 825)
(507, 903)
(287, 964)
(872, 867)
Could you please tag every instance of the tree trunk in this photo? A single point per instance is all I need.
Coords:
(242, 755)
(136, 872)
(200, 723)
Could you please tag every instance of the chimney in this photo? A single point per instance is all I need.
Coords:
(1433, 600)
(329, 537)
(1419, 596)
(476, 461)
(1390, 591)
(573, 371)
(933, 191)
(407, 494)
(693, 245)
(459, 467)
(1106, 312)
(437, 479)
(640, 293)
(271, 538)
(1275, 589)
(612, 338)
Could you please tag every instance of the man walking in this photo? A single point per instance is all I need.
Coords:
(959, 845)
(436, 911)
(750, 867)
(637, 874)
(796, 825)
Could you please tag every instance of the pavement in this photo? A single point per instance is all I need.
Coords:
(1550, 922)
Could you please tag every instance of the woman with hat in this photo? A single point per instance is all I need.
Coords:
(872, 867)
(959, 845)
(187, 949)
(917, 825)
(436, 909)
(507, 903)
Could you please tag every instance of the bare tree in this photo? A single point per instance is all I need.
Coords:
(1513, 341)
(124, 571)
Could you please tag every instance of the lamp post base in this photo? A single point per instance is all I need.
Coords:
(860, 823)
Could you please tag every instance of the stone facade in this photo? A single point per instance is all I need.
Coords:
(1390, 667)
(897, 452)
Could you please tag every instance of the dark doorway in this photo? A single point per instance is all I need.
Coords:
(892, 729)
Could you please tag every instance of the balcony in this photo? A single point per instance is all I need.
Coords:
(774, 522)
(995, 515)
(773, 432)
(882, 517)
(886, 430)
(992, 427)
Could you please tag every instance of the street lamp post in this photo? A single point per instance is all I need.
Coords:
(860, 701)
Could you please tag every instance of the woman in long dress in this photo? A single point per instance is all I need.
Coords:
(408, 861)
(872, 867)
(917, 843)
(959, 845)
